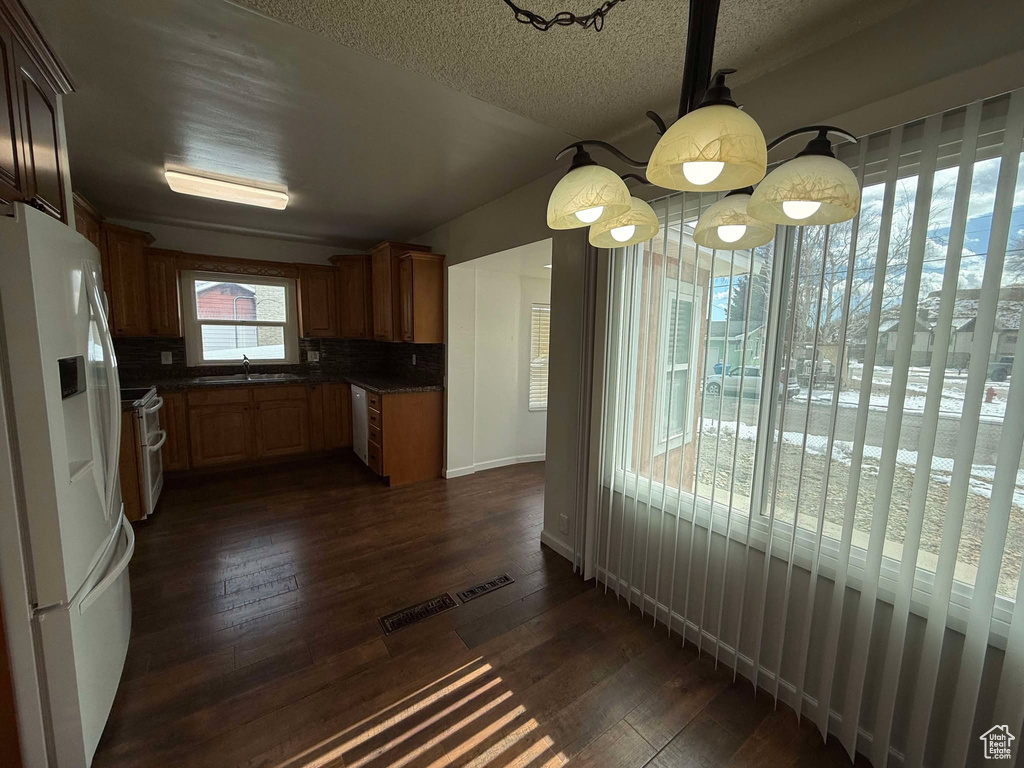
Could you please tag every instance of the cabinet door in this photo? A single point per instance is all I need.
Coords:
(128, 284)
(354, 297)
(44, 179)
(174, 421)
(220, 434)
(337, 416)
(282, 427)
(318, 302)
(405, 293)
(11, 178)
(129, 471)
(162, 274)
(88, 226)
(317, 427)
(383, 318)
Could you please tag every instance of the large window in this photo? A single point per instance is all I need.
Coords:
(858, 395)
(540, 330)
(228, 317)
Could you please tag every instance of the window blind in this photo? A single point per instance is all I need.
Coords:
(540, 328)
(855, 410)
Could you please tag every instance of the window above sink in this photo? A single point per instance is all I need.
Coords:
(229, 317)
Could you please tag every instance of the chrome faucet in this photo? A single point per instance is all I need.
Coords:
(245, 366)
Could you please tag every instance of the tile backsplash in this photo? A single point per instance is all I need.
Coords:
(139, 359)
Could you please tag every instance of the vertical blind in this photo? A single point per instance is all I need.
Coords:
(847, 399)
(540, 331)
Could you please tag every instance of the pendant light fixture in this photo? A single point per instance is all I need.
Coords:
(588, 193)
(727, 225)
(714, 148)
(638, 225)
(811, 189)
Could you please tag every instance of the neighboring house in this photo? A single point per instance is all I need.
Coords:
(227, 301)
(728, 348)
(965, 314)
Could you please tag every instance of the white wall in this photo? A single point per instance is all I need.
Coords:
(489, 421)
(234, 245)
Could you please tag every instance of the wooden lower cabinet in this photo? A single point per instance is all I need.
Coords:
(337, 416)
(174, 421)
(282, 420)
(128, 468)
(220, 427)
(406, 433)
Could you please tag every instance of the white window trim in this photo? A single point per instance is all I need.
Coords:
(193, 326)
(529, 382)
(685, 293)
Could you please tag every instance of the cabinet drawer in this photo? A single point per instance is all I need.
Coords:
(218, 396)
(373, 400)
(374, 433)
(373, 458)
(373, 418)
(263, 394)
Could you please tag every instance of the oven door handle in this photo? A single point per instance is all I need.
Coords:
(160, 443)
(155, 406)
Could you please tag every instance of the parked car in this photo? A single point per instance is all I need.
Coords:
(749, 378)
(1000, 370)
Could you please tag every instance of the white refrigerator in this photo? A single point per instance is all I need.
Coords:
(64, 542)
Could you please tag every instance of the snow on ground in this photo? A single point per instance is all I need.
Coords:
(980, 481)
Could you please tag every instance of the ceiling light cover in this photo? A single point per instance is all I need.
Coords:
(727, 212)
(585, 188)
(717, 133)
(812, 179)
(640, 216)
(228, 191)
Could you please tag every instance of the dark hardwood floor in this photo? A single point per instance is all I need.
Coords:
(255, 639)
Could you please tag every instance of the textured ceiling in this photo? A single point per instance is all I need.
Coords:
(578, 81)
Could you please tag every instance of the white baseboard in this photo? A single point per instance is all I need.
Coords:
(740, 662)
(556, 544)
(493, 464)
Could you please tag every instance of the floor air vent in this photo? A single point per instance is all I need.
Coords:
(488, 586)
(416, 613)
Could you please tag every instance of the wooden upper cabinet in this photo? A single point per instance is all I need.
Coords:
(87, 222)
(44, 178)
(384, 279)
(164, 303)
(128, 283)
(11, 178)
(354, 299)
(380, 277)
(318, 302)
(421, 297)
(31, 84)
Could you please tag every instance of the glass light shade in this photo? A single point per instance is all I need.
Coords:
(807, 179)
(716, 133)
(582, 190)
(731, 212)
(643, 219)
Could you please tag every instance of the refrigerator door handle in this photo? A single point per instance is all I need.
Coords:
(112, 575)
(98, 300)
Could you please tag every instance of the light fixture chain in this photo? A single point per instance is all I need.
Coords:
(593, 20)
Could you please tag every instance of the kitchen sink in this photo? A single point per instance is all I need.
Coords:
(241, 378)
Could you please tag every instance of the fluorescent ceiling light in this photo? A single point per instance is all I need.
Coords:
(215, 189)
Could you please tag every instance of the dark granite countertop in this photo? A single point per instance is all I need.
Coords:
(383, 383)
